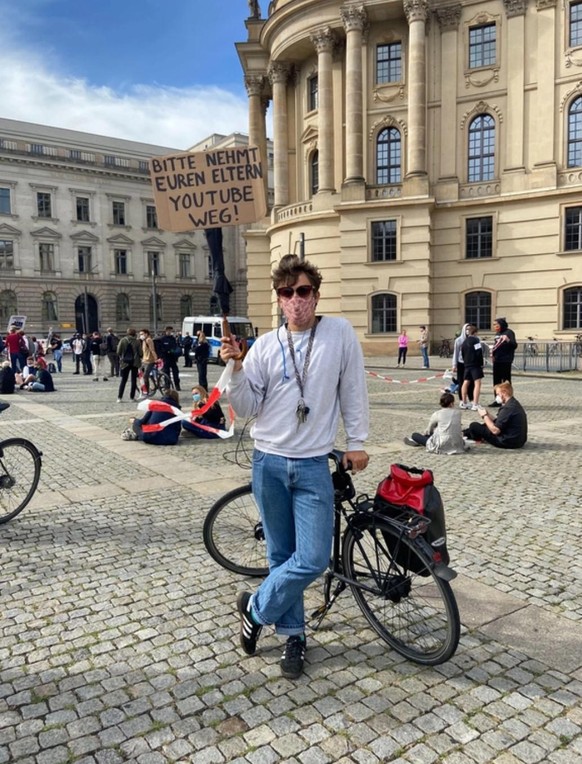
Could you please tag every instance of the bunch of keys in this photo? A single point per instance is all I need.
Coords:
(301, 412)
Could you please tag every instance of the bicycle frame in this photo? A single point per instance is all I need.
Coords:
(413, 527)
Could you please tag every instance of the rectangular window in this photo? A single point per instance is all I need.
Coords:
(312, 93)
(482, 46)
(5, 208)
(573, 232)
(118, 209)
(6, 254)
(185, 266)
(84, 259)
(44, 205)
(46, 254)
(383, 241)
(210, 268)
(143, 166)
(154, 264)
(389, 62)
(36, 148)
(151, 216)
(120, 256)
(479, 238)
(82, 204)
(575, 25)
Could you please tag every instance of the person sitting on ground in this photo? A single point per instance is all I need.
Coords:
(28, 374)
(212, 418)
(43, 382)
(165, 436)
(509, 429)
(444, 433)
(7, 379)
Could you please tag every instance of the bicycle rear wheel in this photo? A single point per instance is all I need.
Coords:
(233, 534)
(409, 607)
(20, 463)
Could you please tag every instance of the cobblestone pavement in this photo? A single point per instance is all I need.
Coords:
(119, 640)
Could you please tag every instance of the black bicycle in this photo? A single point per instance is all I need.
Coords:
(158, 381)
(399, 583)
(20, 465)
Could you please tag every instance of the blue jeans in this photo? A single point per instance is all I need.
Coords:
(295, 497)
(425, 362)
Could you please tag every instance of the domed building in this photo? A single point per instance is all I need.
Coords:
(427, 157)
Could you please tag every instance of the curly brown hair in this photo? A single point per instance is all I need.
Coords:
(289, 269)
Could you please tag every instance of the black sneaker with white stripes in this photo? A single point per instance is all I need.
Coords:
(249, 630)
(293, 657)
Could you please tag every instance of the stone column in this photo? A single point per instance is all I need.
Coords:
(355, 20)
(278, 76)
(515, 10)
(324, 41)
(416, 12)
(255, 85)
(448, 19)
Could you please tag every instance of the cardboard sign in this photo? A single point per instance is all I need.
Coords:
(208, 189)
(17, 321)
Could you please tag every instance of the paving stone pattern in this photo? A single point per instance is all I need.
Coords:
(119, 640)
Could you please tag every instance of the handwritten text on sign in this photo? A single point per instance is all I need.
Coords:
(208, 189)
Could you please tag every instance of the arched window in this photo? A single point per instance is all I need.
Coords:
(478, 309)
(575, 133)
(481, 149)
(154, 320)
(314, 173)
(388, 156)
(8, 306)
(122, 308)
(573, 308)
(50, 308)
(214, 306)
(185, 306)
(383, 313)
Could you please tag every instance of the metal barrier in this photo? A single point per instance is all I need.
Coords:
(553, 356)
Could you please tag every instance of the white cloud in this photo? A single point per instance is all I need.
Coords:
(33, 90)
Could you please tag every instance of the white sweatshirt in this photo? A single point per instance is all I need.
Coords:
(335, 383)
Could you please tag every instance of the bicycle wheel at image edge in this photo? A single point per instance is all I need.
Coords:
(20, 463)
(409, 607)
(233, 534)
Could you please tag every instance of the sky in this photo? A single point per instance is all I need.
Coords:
(158, 71)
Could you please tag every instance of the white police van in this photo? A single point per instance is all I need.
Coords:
(240, 327)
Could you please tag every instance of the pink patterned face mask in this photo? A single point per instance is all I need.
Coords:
(298, 310)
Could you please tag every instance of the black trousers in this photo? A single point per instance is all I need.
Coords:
(124, 373)
(479, 431)
(171, 366)
(501, 372)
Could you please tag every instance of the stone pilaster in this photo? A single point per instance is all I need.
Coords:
(255, 85)
(448, 19)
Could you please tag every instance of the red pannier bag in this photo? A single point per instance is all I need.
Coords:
(412, 489)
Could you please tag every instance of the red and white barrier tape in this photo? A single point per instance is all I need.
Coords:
(407, 381)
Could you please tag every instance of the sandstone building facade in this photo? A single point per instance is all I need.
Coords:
(78, 222)
(431, 156)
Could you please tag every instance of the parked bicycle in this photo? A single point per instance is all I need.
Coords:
(446, 349)
(20, 465)
(397, 581)
(578, 345)
(530, 347)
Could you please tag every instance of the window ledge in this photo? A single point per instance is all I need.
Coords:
(385, 262)
(90, 223)
(569, 252)
(477, 259)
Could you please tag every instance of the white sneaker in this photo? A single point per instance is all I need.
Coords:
(463, 405)
(119, 400)
(474, 407)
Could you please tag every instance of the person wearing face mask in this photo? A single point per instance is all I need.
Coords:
(148, 359)
(502, 352)
(213, 418)
(297, 380)
(508, 429)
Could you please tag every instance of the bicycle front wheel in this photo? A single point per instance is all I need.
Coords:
(408, 606)
(20, 463)
(233, 534)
